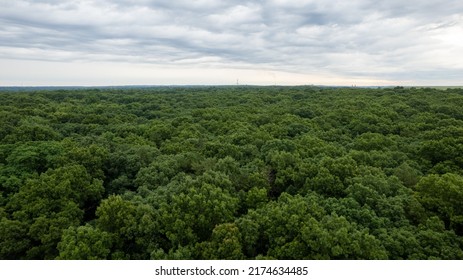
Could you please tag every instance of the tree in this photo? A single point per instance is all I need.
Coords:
(191, 215)
(53, 202)
(224, 245)
(14, 241)
(231, 173)
(84, 243)
(437, 243)
(443, 195)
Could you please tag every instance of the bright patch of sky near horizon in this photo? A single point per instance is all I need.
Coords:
(188, 42)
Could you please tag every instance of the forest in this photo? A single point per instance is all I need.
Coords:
(231, 172)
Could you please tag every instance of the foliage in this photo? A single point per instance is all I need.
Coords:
(231, 173)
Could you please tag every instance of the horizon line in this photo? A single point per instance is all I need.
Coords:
(227, 85)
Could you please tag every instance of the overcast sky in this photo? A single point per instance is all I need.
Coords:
(159, 42)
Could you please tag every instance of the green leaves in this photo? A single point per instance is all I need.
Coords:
(224, 244)
(116, 215)
(51, 203)
(84, 243)
(13, 239)
(191, 215)
(335, 238)
(443, 195)
(231, 173)
(298, 228)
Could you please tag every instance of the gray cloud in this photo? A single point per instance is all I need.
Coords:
(396, 40)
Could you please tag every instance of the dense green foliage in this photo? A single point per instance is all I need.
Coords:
(231, 173)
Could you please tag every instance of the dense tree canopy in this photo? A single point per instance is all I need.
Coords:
(231, 173)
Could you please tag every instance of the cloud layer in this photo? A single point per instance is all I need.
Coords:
(414, 42)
